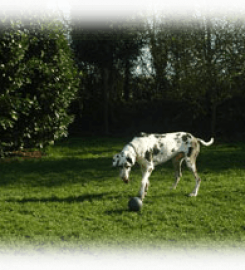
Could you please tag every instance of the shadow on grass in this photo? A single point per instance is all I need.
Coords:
(51, 172)
(70, 199)
(90, 145)
(117, 211)
(123, 211)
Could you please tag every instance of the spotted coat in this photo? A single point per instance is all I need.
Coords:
(150, 150)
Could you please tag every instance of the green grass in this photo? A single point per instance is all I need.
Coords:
(72, 198)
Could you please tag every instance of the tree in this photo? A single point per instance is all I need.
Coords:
(165, 41)
(39, 80)
(112, 47)
(201, 60)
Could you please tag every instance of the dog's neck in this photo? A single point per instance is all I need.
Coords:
(130, 144)
(134, 152)
(131, 151)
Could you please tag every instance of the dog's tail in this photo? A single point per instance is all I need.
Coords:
(206, 143)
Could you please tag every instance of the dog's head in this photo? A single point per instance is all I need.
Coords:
(124, 162)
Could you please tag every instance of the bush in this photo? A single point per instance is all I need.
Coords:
(38, 82)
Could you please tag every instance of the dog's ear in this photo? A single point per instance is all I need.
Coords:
(115, 160)
(129, 160)
(115, 163)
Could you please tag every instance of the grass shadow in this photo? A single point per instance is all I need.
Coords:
(70, 199)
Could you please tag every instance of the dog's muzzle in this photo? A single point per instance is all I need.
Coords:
(125, 180)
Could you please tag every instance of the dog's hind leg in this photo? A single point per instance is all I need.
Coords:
(177, 161)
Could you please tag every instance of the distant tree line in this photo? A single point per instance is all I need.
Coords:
(197, 62)
(154, 74)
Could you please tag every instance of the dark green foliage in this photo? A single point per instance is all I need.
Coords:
(105, 52)
(109, 45)
(38, 82)
(93, 47)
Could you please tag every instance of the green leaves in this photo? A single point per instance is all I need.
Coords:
(38, 82)
(14, 115)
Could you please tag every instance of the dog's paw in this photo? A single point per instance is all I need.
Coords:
(192, 194)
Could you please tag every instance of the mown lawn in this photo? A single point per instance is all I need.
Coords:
(72, 198)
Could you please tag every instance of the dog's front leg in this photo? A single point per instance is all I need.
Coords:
(146, 172)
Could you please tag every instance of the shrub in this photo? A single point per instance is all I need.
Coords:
(38, 82)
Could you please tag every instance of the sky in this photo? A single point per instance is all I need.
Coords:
(63, 4)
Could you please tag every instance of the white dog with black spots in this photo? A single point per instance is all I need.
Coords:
(149, 150)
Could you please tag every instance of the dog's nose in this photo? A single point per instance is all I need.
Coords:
(125, 180)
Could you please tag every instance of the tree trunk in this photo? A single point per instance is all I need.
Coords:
(210, 86)
(112, 90)
(126, 81)
(106, 98)
(213, 120)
